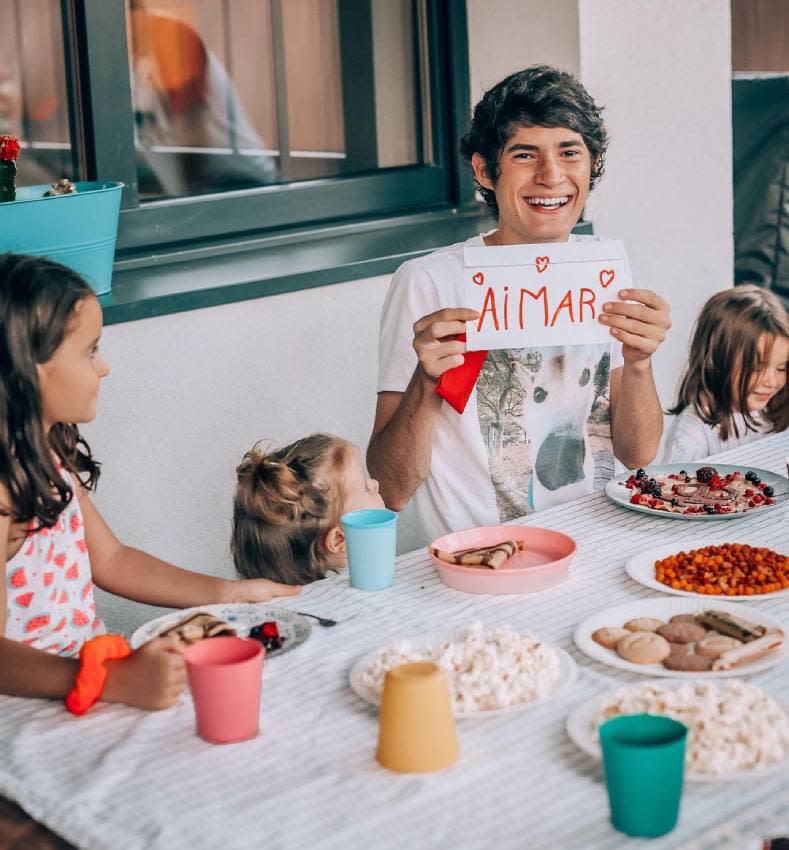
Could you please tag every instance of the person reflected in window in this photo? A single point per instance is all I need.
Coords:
(183, 97)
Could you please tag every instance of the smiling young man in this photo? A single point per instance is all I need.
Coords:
(543, 424)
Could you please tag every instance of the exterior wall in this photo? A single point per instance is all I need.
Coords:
(190, 392)
(667, 191)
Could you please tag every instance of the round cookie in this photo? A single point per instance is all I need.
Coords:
(714, 645)
(687, 662)
(643, 648)
(608, 636)
(683, 618)
(643, 624)
(682, 632)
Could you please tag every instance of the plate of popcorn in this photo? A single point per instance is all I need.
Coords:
(733, 570)
(278, 629)
(698, 491)
(489, 671)
(735, 730)
(683, 638)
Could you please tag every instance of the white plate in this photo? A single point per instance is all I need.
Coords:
(664, 608)
(580, 724)
(294, 628)
(641, 568)
(617, 492)
(567, 673)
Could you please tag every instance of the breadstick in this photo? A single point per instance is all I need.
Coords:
(750, 651)
(492, 557)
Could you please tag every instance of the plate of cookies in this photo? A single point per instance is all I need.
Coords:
(683, 638)
(278, 629)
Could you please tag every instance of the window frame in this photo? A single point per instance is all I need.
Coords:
(103, 134)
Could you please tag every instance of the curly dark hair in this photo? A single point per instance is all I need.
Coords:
(538, 96)
(37, 302)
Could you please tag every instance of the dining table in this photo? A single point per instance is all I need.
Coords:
(122, 779)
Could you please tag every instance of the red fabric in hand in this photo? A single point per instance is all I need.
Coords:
(455, 385)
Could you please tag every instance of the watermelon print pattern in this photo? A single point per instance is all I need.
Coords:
(50, 590)
(17, 579)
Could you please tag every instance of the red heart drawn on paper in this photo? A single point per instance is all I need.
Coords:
(479, 278)
(606, 277)
(542, 263)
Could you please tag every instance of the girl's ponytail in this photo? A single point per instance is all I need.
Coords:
(285, 502)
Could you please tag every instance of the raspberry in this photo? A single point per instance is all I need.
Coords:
(705, 474)
(715, 483)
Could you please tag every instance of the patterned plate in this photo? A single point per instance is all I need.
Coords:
(294, 628)
(616, 491)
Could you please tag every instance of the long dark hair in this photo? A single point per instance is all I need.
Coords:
(538, 96)
(285, 502)
(725, 351)
(37, 302)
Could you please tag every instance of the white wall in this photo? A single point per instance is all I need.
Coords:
(662, 68)
(507, 35)
(190, 392)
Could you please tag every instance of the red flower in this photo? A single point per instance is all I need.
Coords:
(9, 148)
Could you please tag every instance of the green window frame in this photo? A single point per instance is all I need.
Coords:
(103, 134)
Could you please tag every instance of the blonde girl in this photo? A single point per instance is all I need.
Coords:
(288, 504)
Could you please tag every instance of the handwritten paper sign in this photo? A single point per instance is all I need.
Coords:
(542, 295)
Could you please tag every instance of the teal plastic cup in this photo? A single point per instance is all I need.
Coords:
(644, 763)
(370, 539)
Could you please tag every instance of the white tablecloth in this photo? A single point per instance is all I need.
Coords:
(119, 779)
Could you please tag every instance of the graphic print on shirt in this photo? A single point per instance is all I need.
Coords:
(544, 414)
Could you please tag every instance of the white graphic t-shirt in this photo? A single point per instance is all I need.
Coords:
(536, 431)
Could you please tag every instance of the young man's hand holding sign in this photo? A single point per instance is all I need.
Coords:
(547, 412)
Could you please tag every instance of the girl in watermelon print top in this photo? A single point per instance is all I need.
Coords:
(53, 541)
(49, 592)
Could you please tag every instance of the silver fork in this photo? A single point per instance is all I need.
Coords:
(324, 621)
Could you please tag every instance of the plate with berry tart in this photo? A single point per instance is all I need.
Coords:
(278, 629)
(698, 491)
(734, 570)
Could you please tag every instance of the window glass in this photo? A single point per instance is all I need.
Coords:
(33, 95)
(233, 94)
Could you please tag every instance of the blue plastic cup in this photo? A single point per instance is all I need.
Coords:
(644, 764)
(370, 538)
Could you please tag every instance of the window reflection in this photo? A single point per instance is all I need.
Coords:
(33, 99)
(230, 94)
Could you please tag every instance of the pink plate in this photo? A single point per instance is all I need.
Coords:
(544, 562)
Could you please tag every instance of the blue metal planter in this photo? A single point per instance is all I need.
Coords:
(78, 230)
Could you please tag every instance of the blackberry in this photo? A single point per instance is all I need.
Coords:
(768, 490)
(704, 474)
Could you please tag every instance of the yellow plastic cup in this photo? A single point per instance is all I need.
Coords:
(416, 728)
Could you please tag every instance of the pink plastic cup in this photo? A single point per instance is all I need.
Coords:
(225, 677)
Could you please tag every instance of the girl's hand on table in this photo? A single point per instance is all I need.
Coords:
(152, 678)
(260, 590)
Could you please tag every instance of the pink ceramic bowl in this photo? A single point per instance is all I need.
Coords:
(544, 562)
